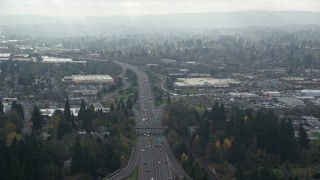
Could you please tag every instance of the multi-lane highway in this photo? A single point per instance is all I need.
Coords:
(151, 155)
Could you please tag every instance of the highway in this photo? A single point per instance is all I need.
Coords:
(152, 155)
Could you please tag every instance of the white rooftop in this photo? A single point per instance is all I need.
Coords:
(4, 55)
(47, 59)
(204, 82)
(91, 77)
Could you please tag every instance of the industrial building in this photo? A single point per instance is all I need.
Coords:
(204, 83)
(243, 95)
(291, 102)
(310, 92)
(4, 56)
(273, 94)
(89, 79)
(56, 60)
(50, 112)
(168, 61)
(75, 111)
(7, 103)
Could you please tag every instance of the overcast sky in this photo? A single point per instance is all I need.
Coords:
(143, 7)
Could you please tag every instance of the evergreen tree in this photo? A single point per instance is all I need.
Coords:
(63, 128)
(287, 143)
(120, 104)
(67, 111)
(123, 107)
(112, 107)
(92, 110)
(87, 120)
(303, 140)
(2, 116)
(82, 110)
(18, 108)
(36, 119)
(129, 103)
(76, 162)
(168, 98)
(1, 108)
(15, 169)
(88, 162)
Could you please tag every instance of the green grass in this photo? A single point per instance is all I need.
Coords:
(134, 175)
(125, 94)
(187, 92)
(316, 142)
(317, 134)
(300, 171)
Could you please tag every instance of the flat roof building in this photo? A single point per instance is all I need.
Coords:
(273, 94)
(87, 79)
(204, 83)
(4, 56)
(243, 95)
(291, 102)
(57, 60)
(310, 92)
(168, 61)
(47, 59)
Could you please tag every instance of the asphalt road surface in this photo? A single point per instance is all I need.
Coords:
(151, 155)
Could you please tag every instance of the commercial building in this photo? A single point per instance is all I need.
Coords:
(273, 94)
(4, 56)
(168, 61)
(75, 111)
(49, 112)
(58, 60)
(204, 83)
(291, 102)
(243, 95)
(22, 57)
(310, 92)
(7, 103)
(85, 92)
(89, 79)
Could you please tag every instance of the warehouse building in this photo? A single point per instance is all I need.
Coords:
(4, 56)
(291, 102)
(58, 60)
(89, 79)
(310, 92)
(183, 83)
(273, 94)
(243, 95)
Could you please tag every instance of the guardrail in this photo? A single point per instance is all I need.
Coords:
(119, 171)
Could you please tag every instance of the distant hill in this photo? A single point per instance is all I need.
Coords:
(98, 25)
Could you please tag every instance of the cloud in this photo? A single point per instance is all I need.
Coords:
(142, 7)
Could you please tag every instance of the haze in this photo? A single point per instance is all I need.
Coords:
(144, 7)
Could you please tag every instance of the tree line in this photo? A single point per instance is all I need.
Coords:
(253, 142)
(65, 153)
